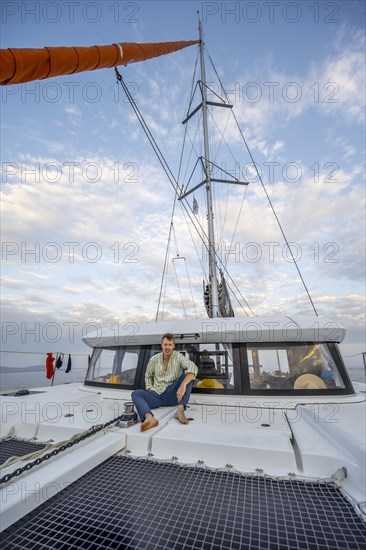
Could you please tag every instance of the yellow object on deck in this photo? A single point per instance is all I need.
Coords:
(209, 383)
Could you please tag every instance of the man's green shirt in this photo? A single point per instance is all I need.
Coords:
(158, 380)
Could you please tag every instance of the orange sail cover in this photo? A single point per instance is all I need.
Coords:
(18, 65)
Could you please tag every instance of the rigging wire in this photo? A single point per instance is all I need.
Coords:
(224, 269)
(164, 277)
(266, 193)
(222, 134)
(219, 225)
(175, 185)
(198, 161)
(189, 102)
(178, 285)
(172, 180)
(166, 169)
(224, 264)
(165, 268)
(221, 232)
(175, 241)
(194, 245)
(191, 290)
(237, 222)
(164, 295)
(179, 257)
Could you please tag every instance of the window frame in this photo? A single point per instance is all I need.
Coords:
(240, 372)
(108, 385)
(334, 352)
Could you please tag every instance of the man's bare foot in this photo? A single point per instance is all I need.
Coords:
(179, 415)
(149, 422)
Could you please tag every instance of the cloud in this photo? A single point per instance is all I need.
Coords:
(12, 283)
(87, 214)
(346, 70)
(333, 87)
(73, 110)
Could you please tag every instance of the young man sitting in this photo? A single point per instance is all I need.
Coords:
(168, 381)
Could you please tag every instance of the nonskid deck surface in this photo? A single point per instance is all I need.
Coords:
(148, 505)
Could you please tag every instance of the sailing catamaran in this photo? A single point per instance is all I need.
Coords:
(273, 455)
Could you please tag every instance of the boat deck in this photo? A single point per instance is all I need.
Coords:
(242, 474)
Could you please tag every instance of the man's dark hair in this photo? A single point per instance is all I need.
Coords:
(168, 336)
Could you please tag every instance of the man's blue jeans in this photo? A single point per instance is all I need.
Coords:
(145, 400)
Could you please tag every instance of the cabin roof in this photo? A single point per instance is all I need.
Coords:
(275, 328)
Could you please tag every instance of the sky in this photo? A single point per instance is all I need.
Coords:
(86, 208)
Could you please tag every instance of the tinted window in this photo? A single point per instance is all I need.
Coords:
(292, 367)
(114, 365)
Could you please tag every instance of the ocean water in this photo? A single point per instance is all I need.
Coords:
(34, 379)
(357, 374)
(18, 380)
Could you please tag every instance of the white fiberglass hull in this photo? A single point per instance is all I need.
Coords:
(320, 437)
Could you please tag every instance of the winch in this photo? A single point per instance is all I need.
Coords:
(129, 416)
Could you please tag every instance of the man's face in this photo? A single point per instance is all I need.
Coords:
(167, 346)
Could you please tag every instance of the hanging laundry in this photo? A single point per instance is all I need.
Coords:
(68, 368)
(59, 361)
(49, 365)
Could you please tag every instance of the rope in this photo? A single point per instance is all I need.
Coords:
(34, 454)
(60, 447)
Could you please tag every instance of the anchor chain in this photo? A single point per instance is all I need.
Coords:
(93, 430)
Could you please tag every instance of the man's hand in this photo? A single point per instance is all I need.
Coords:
(181, 391)
(182, 388)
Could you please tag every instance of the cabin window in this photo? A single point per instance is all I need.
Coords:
(215, 364)
(292, 367)
(114, 365)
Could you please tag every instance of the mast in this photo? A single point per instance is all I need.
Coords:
(210, 215)
(216, 296)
